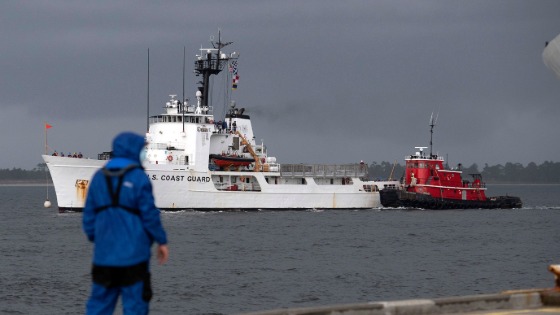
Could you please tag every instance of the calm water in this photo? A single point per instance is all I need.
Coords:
(226, 263)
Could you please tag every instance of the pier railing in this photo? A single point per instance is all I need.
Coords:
(324, 170)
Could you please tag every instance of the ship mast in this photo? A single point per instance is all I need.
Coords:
(432, 125)
(210, 62)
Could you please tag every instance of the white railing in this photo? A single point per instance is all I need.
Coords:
(324, 170)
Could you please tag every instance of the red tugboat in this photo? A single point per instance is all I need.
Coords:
(429, 185)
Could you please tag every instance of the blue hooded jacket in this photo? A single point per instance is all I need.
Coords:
(122, 234)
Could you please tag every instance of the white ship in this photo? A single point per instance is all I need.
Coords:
(197, 162)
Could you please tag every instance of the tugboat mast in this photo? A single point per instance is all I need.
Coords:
(208, 64)
(432, 125)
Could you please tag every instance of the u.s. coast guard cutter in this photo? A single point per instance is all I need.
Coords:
(198, 162)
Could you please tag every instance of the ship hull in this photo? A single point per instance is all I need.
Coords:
(395, 198)
(179, 188)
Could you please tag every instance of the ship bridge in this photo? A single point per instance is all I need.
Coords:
(175, 111)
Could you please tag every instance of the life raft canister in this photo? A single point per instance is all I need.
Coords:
(170, 158)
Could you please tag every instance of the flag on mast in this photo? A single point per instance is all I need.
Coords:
(235, 81)
(47, 127)
(233, 70)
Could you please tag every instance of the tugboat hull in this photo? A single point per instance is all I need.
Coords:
(393, 198)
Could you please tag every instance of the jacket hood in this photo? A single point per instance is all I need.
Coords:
(128, 145)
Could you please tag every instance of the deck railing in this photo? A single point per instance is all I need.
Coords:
(324, 170)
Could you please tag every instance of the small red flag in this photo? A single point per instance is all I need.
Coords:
(47, 126)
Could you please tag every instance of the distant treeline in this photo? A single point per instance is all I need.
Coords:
(38, 173)
(545, 173)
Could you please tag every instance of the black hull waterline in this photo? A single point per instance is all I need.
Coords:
(393, 198)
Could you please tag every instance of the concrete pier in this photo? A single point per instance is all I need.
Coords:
(534, 301)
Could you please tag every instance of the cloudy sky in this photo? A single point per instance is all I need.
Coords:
(323, 81)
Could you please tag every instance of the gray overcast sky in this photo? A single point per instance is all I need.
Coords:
(323, 81)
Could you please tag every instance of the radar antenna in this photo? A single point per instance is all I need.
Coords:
(219, 44)
(433, 121)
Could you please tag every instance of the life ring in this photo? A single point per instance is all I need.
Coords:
(170, 158)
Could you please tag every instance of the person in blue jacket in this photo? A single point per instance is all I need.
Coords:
(121, 219)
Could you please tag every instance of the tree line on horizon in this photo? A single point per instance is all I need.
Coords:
(545, 173)
(37, 173)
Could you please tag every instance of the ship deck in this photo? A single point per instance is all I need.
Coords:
(520, 302)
